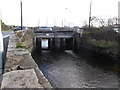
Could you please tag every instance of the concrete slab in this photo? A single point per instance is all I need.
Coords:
(20, 79)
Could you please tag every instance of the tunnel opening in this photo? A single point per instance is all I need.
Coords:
(55, 43)
(69, 44)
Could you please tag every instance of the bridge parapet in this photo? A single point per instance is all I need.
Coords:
(53, 34)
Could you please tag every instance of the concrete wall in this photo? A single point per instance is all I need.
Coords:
(19, 60)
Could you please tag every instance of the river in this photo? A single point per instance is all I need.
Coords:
(69, 70)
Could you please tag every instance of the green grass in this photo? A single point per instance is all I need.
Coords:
(103, 43)
(19, 45)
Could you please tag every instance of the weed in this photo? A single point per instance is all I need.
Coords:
(19, 45)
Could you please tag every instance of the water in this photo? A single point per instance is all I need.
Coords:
(68, 70)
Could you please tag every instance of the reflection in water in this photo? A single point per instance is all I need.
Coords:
(68, 70)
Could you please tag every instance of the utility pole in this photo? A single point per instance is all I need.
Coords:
(21, 15)
(90, 14)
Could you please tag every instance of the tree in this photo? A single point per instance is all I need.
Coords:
(101, 22)
(112, 21)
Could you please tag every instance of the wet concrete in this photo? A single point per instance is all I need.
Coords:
(69, 70)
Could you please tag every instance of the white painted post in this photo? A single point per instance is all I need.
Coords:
(1, 49)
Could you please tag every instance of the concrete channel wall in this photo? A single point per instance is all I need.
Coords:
(20, 69)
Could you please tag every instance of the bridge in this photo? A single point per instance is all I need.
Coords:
(57, 40)
(54, 34)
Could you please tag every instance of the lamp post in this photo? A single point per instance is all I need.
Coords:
(1, 48)
(21, 14)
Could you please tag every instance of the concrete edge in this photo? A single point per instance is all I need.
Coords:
(41, 78)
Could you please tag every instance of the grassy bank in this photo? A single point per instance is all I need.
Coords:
(26, 38)
(102, 46)
(101, 40)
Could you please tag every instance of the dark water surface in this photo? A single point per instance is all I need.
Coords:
(68, 70)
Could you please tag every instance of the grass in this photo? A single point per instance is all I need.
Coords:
(19, 45)
(101, 37)
(103, 43)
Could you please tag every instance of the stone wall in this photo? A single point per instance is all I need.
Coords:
(21, 71)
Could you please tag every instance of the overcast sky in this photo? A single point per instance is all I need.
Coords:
(48, 12)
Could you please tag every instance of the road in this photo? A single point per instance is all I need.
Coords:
(69, 70)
